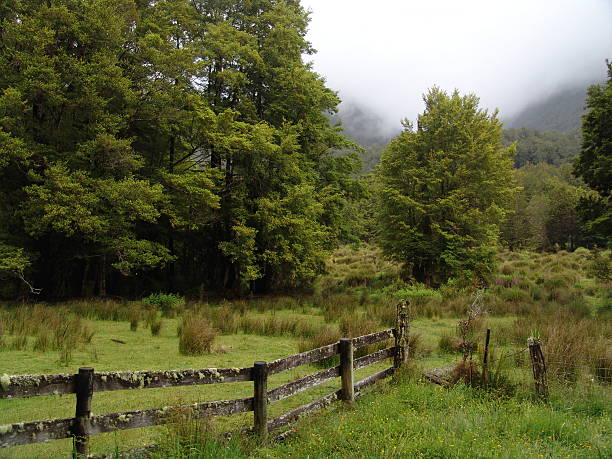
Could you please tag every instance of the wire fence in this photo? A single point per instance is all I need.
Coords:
(568, 370)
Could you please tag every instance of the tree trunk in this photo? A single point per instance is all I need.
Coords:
(102, 279)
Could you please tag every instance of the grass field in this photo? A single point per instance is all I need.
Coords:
(560, 298)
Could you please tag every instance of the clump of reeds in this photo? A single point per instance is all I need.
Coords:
(450, 344)
(47, 329)
(196, 335)
(153, 321)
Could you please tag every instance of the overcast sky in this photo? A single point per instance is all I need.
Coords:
(386, 53)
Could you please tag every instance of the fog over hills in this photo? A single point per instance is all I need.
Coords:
(561, 111)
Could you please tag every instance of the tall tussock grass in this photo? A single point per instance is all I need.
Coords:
(574, 346)
(44, 328)
(230, 319)
(196, 335)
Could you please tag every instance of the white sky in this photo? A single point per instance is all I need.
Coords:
(386, 53)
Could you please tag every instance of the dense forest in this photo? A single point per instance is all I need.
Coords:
(188, 146)
(173, 145)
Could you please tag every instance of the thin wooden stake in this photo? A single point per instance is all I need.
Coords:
(539, 368)
(346, 370)
(402, 333)
(84, 394)
(485, 358)
(260, 401)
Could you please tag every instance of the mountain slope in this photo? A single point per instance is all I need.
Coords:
(561, 111)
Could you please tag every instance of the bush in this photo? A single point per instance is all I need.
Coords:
(450, 344)
(418, 295)
(197, 335)
(600, 265)
(155, 327)
(167, 303)
(514, 295)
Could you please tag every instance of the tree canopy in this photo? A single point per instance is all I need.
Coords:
(594, 164)
(443, 189)
(176, 144)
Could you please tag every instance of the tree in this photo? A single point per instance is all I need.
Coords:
(443, 190)
(544, 212)
(594, 164)
(174, 144)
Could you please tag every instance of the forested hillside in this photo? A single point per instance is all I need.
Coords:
(175, 145)
(550, 147)
(561, 111)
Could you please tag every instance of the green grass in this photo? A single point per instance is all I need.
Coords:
(412, 419)
(143, 351)
(553, 296)
(418, 420)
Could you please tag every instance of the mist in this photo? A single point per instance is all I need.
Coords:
(382, 56)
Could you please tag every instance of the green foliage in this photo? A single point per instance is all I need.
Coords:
(594, 165)
(418, 295)
(443, 190)
(544, 214)
(535, 147)
(182, 144)
(167, 303)
(600, 265)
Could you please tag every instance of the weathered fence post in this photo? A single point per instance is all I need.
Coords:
(485, 358)
(260, 399)
(539, 368)
(346, 370)
(402, 332)
(84, 394)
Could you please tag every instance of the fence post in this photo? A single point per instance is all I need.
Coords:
(260, 399)
(346, 370)
(485, 358)
(84, 394)
(539, 368)
(402, 332)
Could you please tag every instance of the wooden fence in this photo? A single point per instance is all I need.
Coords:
(86, 382)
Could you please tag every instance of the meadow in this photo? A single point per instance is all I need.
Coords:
(563, 299)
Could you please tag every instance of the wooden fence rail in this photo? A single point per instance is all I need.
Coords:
(86, 382)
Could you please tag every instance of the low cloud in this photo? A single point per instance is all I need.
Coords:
(386, 54)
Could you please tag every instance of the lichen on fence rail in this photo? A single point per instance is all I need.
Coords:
(37, 385)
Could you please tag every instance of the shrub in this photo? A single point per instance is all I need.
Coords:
(156, 327)
(167, 303)
(514, 295)
(600, 265)
(197, 335)
(418, 295)
(450, 344)
(467, 372)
